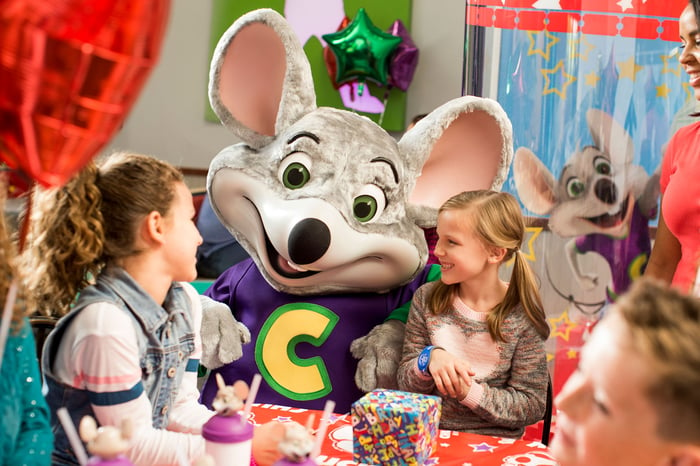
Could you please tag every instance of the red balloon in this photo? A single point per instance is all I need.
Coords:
(70, 71)
(329, 56)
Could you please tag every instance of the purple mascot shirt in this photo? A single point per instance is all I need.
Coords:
(300, 344)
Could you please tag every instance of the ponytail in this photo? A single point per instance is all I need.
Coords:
(523, 289)
(65, 242)
(77, 230)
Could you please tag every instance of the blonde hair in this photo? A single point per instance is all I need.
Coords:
(497, 220)
(664, 328)
(90, 222)
(8, 264)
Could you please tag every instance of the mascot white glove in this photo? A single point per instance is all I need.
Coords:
(379, 354)
(222, 336)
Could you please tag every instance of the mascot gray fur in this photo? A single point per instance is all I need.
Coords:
(331, 209)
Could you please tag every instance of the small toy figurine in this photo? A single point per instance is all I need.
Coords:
(229, 398)
(296, 446)
(107, 444)
(227, 434)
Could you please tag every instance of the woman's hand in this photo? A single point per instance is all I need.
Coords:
(452, 376)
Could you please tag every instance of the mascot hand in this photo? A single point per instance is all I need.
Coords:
(379, 353)
(222, 336)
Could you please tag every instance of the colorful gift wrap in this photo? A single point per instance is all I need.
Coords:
(392, 427)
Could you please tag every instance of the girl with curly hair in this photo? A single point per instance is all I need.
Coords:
(121, 237)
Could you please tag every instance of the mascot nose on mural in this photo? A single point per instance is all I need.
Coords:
(606, 191)
(308, 241)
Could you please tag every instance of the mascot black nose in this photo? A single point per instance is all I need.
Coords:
(308, 241)
(606, 191)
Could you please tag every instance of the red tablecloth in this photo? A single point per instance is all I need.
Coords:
(454, 448)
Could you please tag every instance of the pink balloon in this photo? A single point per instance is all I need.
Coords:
(70, 71)
(405, 58)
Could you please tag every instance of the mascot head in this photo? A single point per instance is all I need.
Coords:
(325, 200)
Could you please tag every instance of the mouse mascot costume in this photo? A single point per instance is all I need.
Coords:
(331, 209)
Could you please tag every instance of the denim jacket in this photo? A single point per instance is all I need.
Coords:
(165, 336)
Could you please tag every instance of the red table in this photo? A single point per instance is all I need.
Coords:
(454, 448)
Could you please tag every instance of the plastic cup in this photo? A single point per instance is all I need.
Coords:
(228, 439)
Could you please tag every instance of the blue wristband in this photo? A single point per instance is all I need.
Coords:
(424, 358)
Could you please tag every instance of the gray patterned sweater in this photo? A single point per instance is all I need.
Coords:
(510, 386)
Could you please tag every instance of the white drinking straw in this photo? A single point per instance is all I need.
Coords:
(72, 435)
(7, 316)
(322, 427)
(254, 385)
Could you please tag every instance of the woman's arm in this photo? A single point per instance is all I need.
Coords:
(35, 440)
(665, 254)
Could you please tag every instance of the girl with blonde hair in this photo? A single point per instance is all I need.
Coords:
(471, 338)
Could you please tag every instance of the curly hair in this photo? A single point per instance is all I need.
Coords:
(90, 222)
(8, 264)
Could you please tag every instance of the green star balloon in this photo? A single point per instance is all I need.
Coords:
(362, 51)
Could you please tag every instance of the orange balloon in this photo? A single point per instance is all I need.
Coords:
(70, 71)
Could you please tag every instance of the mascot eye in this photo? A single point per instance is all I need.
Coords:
(575, 187)
(294, 171)
(369, 204)
(602, 166)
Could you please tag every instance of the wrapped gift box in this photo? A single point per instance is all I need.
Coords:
(394, 428)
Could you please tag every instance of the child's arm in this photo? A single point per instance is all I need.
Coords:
(105, 361)
(187, 413)
(416, 338)
(521, 401)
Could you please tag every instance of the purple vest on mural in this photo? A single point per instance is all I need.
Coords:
(626, 256)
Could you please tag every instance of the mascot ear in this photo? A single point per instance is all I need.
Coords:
(260, 79)
(463, 145)
(610, 137)
(535, 183)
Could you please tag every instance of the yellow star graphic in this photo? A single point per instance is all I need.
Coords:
(662, 90)
(569, 79)
(530, 241)
(668, 59)
(535, 232)
(544, 52)
(562, 326)
(591, 79)
(581, 43)
(550, 356)
(572, 354)
(629, 69)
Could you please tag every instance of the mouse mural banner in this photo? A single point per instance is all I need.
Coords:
(594, 91)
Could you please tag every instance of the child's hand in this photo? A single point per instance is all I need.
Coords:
(452, 376)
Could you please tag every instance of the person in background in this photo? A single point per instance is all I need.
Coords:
(415, 119)
(471, 338)
(121, 235)
(25, 434)
(219, 249)
(634, 399)
(676, 251)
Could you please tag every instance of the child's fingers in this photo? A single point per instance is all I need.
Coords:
(465, 373)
